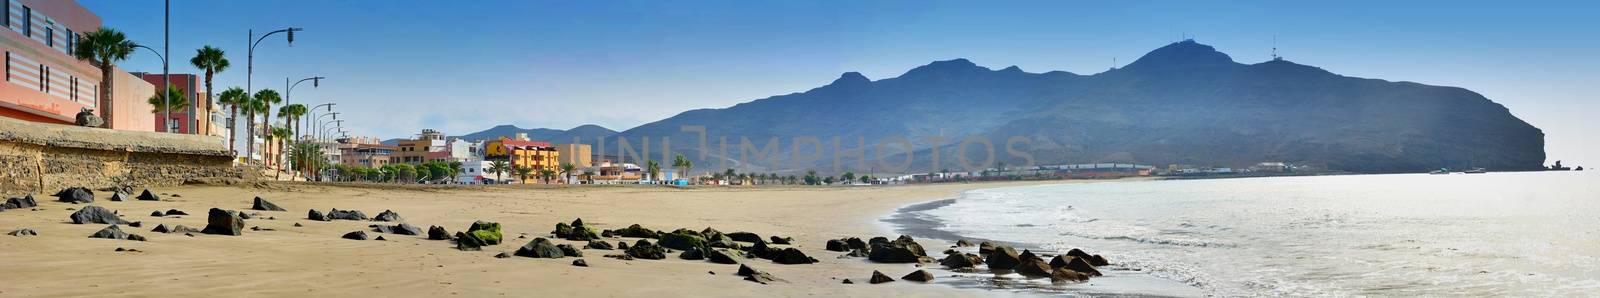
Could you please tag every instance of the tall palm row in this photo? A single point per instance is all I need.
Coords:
(103, 48)
(281, 134)
(212, 61)
(263, 100)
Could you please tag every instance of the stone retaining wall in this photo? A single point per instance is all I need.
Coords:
(42, 158)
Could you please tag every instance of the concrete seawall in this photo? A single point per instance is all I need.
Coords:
(43, 158)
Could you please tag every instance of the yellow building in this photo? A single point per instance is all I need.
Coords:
(534, 155)
(576, 154)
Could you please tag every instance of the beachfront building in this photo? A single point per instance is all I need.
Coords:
(196, 117)
(475, 170)
(578, 155)
(416, 151)
(364, 152)
(607, 172)
(45, 83)
(520, 153)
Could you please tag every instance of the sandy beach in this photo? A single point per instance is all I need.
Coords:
(314, 260)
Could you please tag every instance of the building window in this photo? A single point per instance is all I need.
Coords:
(49, 36)
(72, 39)
(27, 21)
(5, 5)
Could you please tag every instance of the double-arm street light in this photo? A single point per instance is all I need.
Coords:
(250, 62)
(166, 79)
(314, 117)
(321, 125)
(338, 125)
(288, 89)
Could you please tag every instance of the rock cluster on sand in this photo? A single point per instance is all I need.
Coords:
(117, 196)
(96, 214)
(75, 195)
(577, 231)
(635, 231)
(722, 256)
(336, 214)
(264, 205)
(223, 222)
(114, 232)
(682, 239)
(792, 256)
(597, 244)
(1003, 258)
(163, 228)
(480, 234)
(745, 237)
(148, 196)
(961, 260)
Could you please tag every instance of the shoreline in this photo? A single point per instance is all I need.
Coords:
(1121, 282)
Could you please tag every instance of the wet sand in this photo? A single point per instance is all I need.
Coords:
(314, 260)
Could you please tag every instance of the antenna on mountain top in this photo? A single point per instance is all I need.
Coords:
(1275, 49)
(1113, 62)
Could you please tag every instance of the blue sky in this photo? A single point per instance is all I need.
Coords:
(395, 67)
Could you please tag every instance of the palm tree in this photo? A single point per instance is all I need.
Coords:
(497, 167)
(282, 135)
(264, 100)
(455, 169)
(682, 162)
(293, 113)
(255, 106)
(212, 61)
(103, 48)
(175, 100)
(522, 173)
(653, 168)
(547, 175)
(566, 170)
(233, 98)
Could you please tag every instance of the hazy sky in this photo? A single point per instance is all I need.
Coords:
(395, 67)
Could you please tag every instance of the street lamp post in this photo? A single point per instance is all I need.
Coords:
(166, 117)
(321, 126)
(288, 90)
(314, 116)
(250, 67)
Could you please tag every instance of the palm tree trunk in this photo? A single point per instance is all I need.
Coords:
(105, 93)
(233, 116)
(210, 103)
(278, 175)
(250, 136)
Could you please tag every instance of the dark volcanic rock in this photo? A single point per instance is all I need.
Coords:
(645, 250)
(781, 240)
(745, 237)
(502, 255)
(96, 214)
(75, 195)
(23, 202)
(1081, 266)
(963, 243)
(176, 212)
(157, 213)
(438, 233)
(223, 222)
(1033, 267)
(758, 276)
(136, 224)
(582, 234)
(681, 240)
(389, 216)
(919, 275)
(879, 277)
(692, 254)
(858, 253)
(264, 205)
(722, 256)
(402, 229)
(792, 256)
(117, 196)
(23, 232)
(357, 235)
(580, 263)
(148, 196)
(1096, 260)
(622, 245)
(957, 261)
(540, 248)
(316, 215)
(163, 228)
(114, 232)
(855, 243)
(597, 244)
(837, 245)
(569, 250)
(636, 231)
(985, 248)
(337, 214)
(761, 250)
(480, 234)
(380, 238)
(1003, 258)
(562, 230)
(1066, 275)
(901, 250)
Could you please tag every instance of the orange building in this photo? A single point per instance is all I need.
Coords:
(44, 83)
(196, 118)
(536, 155)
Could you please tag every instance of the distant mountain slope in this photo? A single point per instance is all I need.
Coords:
(1184, 103)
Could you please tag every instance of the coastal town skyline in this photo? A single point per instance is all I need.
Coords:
(665, 61)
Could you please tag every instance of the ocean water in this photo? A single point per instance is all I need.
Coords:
(1495, 234)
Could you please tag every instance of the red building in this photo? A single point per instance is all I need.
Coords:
(44, 83)
(191, 119)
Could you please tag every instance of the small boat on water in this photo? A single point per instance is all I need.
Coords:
(1477, 171)
(1440, 171)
